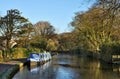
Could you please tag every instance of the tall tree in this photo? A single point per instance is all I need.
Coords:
(95, 28)
(10, 24)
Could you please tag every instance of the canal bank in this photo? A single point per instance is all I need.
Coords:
(10, 68)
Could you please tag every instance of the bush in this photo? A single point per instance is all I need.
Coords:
(18, 53)
(23, 52)
(31, 50)
(116, 49)
(107, 50)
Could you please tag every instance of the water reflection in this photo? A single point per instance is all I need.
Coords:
(36, 70)
(32, 72)
(71, 67)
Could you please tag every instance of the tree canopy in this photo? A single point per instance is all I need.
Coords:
(98, 26)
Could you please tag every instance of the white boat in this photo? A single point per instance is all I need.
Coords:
(39, 57)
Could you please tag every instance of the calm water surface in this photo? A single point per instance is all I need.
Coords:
(70, 67)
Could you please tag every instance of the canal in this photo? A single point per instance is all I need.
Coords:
(65, 66)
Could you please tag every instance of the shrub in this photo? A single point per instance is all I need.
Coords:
(23, 52)
(107, 50)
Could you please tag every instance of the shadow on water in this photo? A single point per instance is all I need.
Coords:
(65, 66)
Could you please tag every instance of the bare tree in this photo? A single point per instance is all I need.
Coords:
(44, 29)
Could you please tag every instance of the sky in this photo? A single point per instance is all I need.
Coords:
(57, 12)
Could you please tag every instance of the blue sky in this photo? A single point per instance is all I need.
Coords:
(58, 12)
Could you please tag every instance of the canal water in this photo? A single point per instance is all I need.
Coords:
(65, 66)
